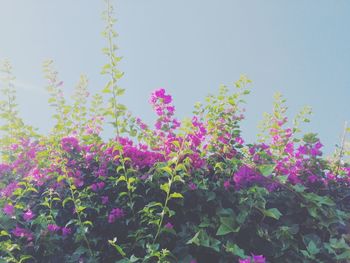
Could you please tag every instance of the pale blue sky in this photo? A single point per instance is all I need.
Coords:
(300, 48)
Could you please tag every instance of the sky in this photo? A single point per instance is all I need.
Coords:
(300, 48)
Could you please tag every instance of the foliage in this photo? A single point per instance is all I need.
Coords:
(190, 191)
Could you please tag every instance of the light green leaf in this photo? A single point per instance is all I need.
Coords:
(165, 187)
(273, 213)
(234, 249)
(312, 248)
(266, 169)
(167, 170)
(176, 195)
(118, 248)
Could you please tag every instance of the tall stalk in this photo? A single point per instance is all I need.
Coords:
(115, 109)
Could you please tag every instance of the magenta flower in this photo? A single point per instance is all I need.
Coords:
(28, 215)
(94, 187)
(104, 199)
(70, 144)
(9, 189)
(9, 210)
(4, 168)
(169, 225)
(239, 140)
(22, 232)
(227, 185)
(66, 231)
(100, 185)
(245, 176)
(53, 228)
(315, 150)
(289, 148)
(253, 259)
(115, 214)
(258, 258)
(192, 186)
(78, 182)
(312, 178)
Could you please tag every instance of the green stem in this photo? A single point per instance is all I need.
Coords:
(113, 66)
(79, 219)
(162, 214)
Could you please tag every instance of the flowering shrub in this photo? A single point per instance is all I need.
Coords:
(190, 191)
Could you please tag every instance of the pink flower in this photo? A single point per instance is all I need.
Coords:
(70, 144)
(302, 150)
(53, 227)
(253, 259)
(9, 189)
(101, 185)
(78, 182)
(258, 258)
(159, 93)
(312, 178)
(4, 168)
(115, 214)
(245, 176)
(9, 210)
(97, 186)
(66, 231)
(94, 187)
(104, 199)
(169, 225)
(192, 186)
(315, 151)
(289, 148)
(28, 215)
(227, 185)
(239, 140)
(21, 232)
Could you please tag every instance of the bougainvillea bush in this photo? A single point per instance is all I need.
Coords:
(189, 191)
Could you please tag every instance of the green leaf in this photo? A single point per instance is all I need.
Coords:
(24, 258)
(211, 196)
(176, 143)
(67, 200)
(194, 240)
(131, 180)
(80, 208)
(299, 188)
(165, 187)
(272, 212)
(234, 249)
(266, 169)
(107, 88)
(201, 238)
(120, 92)
(178, 178)
(176, 195)
(167, 170)
(121, 179)
(118, 248)
(312, 248)
(282, 178)
(226, 226)
(134, 259)
(343, 256)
